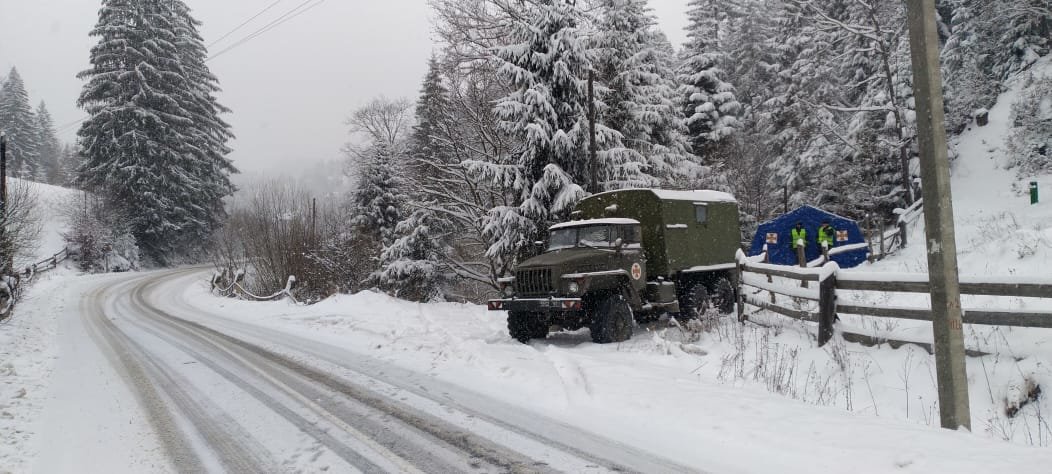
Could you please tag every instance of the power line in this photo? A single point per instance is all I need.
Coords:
(288, 16)
(243, 24)
(70, 125)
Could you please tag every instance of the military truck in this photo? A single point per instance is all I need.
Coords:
(628, 256)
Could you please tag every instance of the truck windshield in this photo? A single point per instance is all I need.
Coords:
(585, 236)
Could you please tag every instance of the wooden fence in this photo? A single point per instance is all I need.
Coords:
(756, 277)
(883, 242)
(11, 285)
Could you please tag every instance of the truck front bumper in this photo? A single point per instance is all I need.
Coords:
(538, 305)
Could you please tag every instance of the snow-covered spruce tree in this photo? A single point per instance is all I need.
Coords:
(210, 132)
(883, 124)
(1030, 142)
(546, 65)
(634, 65)
(753, 62)
(709, 103)
(150, 147)
(414, 265)
(379, 199)
(20, 124)
(967, 60)
(50, 148)
(1021, 29)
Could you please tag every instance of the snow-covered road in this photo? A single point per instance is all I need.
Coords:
(143, 386)
(152, 373)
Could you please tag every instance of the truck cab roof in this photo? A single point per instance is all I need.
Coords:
(589, 222)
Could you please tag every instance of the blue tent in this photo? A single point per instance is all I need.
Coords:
(776, 235)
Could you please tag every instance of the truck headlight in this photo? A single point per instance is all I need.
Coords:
(574, 287)
(509, 291)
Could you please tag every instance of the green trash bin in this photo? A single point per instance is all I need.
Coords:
(1033, 192)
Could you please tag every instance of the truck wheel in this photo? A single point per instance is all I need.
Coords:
(523, 326)
(724, 296)
(612, 321)
(694, 303)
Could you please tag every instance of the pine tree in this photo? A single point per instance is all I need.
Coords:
(210, 132)
(153, 145)
(50, 148)
(378, 199)
(414, 264)
(709, 103)
(19, 123)
(634, 64)
(546, 66)
(1030, 142)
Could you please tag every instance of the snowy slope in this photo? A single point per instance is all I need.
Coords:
(27, 341)
(999, 235)
(52, 203)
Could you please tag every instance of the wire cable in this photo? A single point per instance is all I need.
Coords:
(243, 24)
(300, 9)
(288, 16)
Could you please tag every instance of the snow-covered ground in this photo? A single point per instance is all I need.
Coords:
(660, 391)
(52, 205)
(28, 351)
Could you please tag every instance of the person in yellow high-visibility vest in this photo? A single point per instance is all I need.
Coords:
(826, 235)
(799, 235)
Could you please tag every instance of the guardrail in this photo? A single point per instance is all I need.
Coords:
(831, 281)
(235, 289)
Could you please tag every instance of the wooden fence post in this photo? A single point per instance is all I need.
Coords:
(741, 292)
(869, 238)
(770, 279)
(801, 258)
(827, 306)
(882, 248)
(902, 233)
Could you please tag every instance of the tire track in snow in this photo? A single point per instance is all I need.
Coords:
(499, 419)
(268, 385)
(478, 450)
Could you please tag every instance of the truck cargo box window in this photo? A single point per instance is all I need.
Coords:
(701, 211)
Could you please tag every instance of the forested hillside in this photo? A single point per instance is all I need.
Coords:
(812, 99)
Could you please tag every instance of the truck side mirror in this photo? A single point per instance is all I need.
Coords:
(619, 243)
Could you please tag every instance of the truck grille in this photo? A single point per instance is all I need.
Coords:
(533, 282)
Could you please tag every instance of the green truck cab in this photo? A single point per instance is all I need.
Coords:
(628, 256)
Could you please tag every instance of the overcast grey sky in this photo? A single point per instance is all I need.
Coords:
(290, 90)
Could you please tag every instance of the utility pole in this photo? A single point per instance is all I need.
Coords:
(3, 176)
(938, 217)
(593, 154)
(314, 222)
(5, 250)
